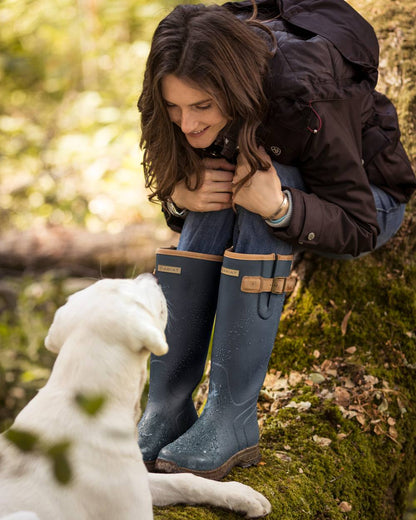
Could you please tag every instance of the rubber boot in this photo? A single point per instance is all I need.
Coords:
(190, 284)
(251, 295)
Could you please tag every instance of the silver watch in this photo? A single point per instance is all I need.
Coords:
(174, 210)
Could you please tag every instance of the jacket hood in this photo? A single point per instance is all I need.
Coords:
(334, 20)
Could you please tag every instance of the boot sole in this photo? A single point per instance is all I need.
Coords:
(150, 465)
(244, 458)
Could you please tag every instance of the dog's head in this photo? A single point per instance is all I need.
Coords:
(128, 312)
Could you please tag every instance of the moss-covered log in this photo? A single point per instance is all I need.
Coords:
(338, 408)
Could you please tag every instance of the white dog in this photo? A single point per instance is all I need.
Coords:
(103, 335)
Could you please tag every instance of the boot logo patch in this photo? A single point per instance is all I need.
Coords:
(169, 269)
(230, 272)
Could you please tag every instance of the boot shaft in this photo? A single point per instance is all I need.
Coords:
(249, 307)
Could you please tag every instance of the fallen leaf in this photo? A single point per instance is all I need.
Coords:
(383, 406)
(317, 378)
(321, 441)
(325, 365)
(393, 432)
(301, 407)
(295, 378)
(348, 383)
(332, 372)
(342, 396)
(371, 380)
(344, 323)
(378, 430)
(401, 406)
(361, 419)
(345, 507)
(351, 350)
(283, 456)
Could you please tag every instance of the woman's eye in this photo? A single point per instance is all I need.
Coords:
(204, 107)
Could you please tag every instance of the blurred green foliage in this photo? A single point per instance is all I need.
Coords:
(70, 75)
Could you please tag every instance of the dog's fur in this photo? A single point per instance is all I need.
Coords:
(103, 335)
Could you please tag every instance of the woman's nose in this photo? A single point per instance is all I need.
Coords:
(188, 122)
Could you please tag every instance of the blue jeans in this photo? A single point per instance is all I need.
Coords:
(215, 231)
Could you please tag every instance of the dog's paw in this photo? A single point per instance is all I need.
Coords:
(21, 515)
(248, 501)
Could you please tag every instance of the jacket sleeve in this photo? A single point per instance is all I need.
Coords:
(173, 222)
(339, 214)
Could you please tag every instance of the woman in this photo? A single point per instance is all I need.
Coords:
(262, 133)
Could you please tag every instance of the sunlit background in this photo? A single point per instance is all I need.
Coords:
(69, 127)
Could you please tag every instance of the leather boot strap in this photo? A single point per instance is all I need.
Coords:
(277, 285)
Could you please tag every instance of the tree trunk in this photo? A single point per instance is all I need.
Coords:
(80, 253)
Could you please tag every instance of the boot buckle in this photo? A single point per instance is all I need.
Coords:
(276, 285)
(282, 284)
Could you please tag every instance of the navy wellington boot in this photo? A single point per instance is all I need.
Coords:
(190, 284)
(251, 295)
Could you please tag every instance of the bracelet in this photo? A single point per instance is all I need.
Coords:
(285, 220)
(281, 210)
(174, 210)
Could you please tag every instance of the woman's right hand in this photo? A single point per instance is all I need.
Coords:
(215, 191)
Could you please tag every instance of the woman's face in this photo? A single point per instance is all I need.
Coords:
(195, 111)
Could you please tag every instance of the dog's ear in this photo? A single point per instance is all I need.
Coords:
(53, 340)
(151, 338)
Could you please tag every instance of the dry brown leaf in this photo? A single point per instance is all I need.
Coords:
(342, 396)
(302, 406)
(371, 380)
(344, 323)
(321, 441)
(345, 507)
(342, 436)
(393, 433)
(295, 378)
(351, 350)
(332, 372)
(378, 430)
(325, 365)
(361, 419)
(283, 456)
(348, 383)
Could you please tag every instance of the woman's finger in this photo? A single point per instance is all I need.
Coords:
(218, 164)
(218, 176)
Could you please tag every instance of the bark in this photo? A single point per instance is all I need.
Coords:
(80, 253)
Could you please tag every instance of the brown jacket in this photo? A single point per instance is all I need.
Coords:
(326, 118)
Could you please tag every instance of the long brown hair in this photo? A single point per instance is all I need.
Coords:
(222, 55)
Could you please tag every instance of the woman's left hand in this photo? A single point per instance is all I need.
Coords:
(262, 194)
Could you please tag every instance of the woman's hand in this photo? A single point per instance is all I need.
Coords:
(262, 194)
(215, 191)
